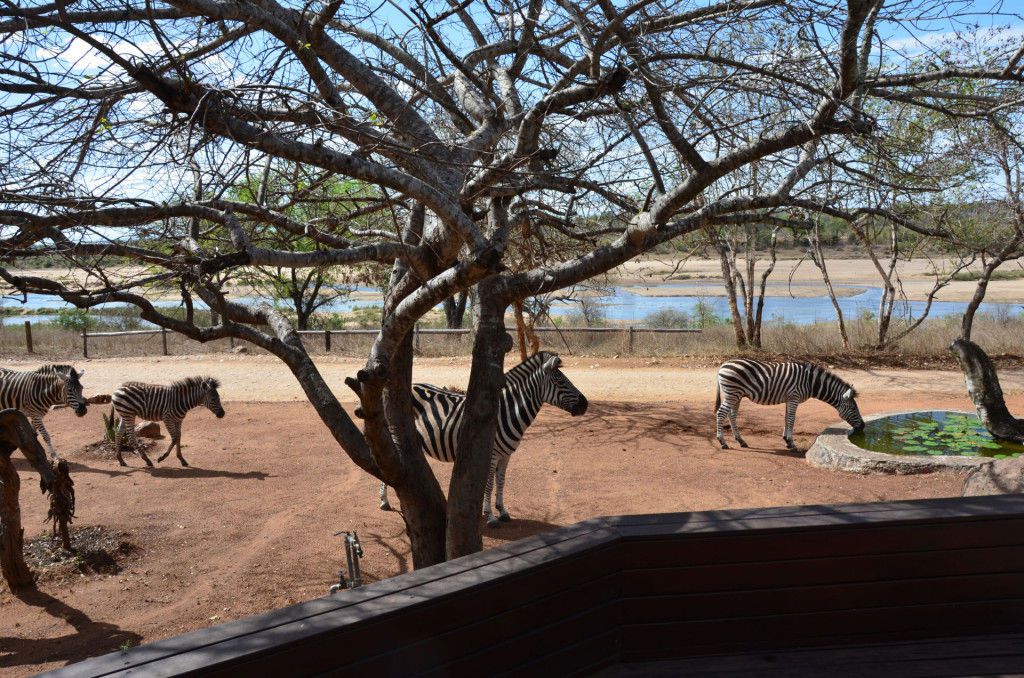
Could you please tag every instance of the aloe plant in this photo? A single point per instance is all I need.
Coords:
(110, 424)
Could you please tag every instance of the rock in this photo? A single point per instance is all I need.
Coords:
(1003, 476)
(240, 349)
(149, 429)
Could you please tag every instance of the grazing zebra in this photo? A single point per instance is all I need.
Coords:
(773, 383)
(168, 404)
(34, 393)
(527, 386)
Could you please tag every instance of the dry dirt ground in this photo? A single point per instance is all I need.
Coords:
(250, 525)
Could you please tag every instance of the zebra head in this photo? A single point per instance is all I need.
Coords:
(849, 411)
(557, 390)
(73, 384)
(211, 398)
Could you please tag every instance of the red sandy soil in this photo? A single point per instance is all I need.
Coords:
(249, 526)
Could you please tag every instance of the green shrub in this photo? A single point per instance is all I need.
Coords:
(669, 318)
(76, 319)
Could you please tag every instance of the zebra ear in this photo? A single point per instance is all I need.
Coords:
(80, 374)
(848, 394)
(552, 363)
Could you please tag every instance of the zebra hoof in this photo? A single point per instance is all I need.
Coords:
(504, 517)
(493, 522)
(184, 463)
(743, 444)
(725, 446)
(384, 506)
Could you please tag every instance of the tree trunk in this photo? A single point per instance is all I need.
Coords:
(424, 508)
(983, 387)
(455, 310)
(818, 257)
(967, 322)
(730, 291)
(12, 536)
(476, 440)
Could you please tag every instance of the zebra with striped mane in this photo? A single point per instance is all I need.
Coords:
(168, 404)
(34, 393)
(439, 416)
(768, 383)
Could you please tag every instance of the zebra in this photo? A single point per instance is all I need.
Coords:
(34, 393)
(767, 383)
(528, 385)
(169, 404)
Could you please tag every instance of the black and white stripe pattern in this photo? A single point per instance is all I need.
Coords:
(773, 383)
(34, 393)
(169, 404)
(439, 416)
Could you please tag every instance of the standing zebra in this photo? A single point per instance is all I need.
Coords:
(527, 386)
(34, 393)
(169, 404)
(772, 383)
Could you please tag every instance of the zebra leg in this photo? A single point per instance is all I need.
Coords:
(499, 496)
(37, 424)
(174, 429)
(127, 425)
(720, 415)
(491, 520)
(787, 434)
(734, 409)
(384, 505)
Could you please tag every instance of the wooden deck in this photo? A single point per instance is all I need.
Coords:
(709, 593)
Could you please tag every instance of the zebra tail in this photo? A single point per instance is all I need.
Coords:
(718, 396)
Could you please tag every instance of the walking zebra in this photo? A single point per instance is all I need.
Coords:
(527, 386)
(168, 404)
(34, 393)
(773, 383)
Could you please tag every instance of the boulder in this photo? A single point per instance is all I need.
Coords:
(148, 429)
(1003, 476)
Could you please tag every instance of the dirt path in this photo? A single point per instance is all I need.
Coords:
(263, 378)
(249, 527)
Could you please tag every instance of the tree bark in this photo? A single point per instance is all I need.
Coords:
(17, 433)
(424, 508)
(983, 387)
(476, 441)
(455, 310)
(12, 535)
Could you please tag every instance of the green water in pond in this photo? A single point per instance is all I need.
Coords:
(934, 433)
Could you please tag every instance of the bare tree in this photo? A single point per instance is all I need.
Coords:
(482, 127)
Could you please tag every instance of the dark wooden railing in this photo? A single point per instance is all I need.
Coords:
(610, 593)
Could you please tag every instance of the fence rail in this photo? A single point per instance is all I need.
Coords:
(629, 332)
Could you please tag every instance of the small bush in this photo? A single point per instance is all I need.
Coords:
(76, 319)
(669, 318)
(588, 313)
(705, 315)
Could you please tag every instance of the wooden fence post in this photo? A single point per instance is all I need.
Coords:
(327, 340)
(28, 335)
(630, 345)
(163, 337)
(85, 343)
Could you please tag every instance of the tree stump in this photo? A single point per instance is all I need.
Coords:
(12, 535)
(983, 387)
(17, 433)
